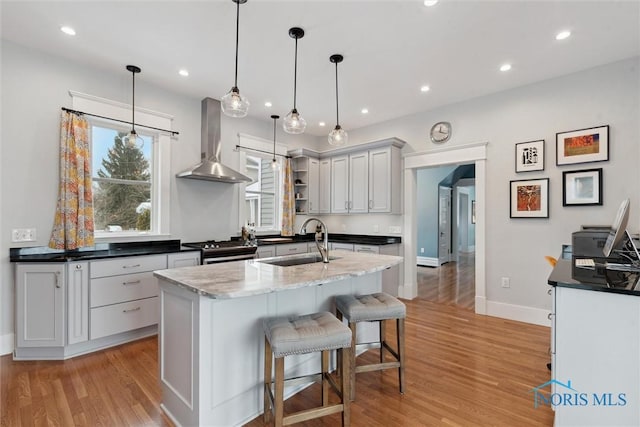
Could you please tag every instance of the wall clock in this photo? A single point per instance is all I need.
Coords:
(440, 132)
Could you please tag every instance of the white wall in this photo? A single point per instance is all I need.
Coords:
(515, 248)
(34, 87)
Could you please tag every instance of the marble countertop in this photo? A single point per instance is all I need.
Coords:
(253, 277)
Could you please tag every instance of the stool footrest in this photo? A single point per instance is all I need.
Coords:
(310, 414)
(377, 367)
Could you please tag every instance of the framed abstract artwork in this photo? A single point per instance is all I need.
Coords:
(582, 188)
(530, 198)
(530, 156)
(582, 146)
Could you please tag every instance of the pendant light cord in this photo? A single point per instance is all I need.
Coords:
(133, 102)
(295, 75)
(337, 114)
(274, 139)
(237, 38)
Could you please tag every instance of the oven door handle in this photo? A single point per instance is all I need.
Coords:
(215, 260)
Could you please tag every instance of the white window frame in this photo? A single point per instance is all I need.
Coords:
(160, 158)
(263, 146)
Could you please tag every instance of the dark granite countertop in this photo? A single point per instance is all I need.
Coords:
(358, 239)
(99, 251)
(566, 275)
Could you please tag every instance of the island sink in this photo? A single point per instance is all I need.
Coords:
(288, 262)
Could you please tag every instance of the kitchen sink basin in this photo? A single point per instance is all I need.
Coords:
(288, 262)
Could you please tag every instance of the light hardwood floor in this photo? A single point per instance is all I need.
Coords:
(462, 370)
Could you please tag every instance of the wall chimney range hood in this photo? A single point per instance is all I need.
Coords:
(210, 168)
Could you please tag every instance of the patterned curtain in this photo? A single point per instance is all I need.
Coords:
(288, 201)
(73, 223)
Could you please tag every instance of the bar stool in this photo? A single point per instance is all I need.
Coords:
(310, 333)
(377, 307)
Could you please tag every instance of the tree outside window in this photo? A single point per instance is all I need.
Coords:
(122, 181)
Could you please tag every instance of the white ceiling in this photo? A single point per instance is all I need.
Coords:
(391, 48)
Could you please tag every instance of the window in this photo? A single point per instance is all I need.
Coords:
(131, 184)
(122, 180)
(263, 195)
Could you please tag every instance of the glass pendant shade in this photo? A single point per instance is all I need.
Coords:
(294, 123)
(132, 138)
(338, 136)
(234, 105)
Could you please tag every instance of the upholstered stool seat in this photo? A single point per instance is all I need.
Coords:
(378, 307)
(317, 332)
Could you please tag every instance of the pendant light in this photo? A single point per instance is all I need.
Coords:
(293, 122)
(337, 136)
(274, 162)
(133, 135)
(233, 104)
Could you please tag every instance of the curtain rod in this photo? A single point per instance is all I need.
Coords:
(263, 151)
(172, 132)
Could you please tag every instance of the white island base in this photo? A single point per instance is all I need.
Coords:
(212, 350)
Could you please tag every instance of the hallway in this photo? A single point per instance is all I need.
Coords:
(452, 283)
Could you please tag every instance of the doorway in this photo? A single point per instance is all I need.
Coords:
(454, 155)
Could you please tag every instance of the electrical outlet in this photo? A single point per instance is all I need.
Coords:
(376, 228)
(23, 235)
(344, 227)
(506, 282)
(395, 229)
(421, 250)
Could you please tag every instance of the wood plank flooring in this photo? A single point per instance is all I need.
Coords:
(462, 370)
(452, 283)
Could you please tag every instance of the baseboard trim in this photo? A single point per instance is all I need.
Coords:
(6, 344)
(427, 261)
(521, 313)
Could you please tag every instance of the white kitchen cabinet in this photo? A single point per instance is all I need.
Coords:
(341, 246)
(77, 302)
(324, 185)
(313, 186)
(124, 294)
(384, 180)
(291, 249)
(359, 182)
(183, 259)
(266, 251)
(40, 305)
(350, 183)
(301, 185)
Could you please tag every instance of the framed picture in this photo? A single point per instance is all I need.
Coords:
(582, 146)
(530, 198)
(583, 187)
(530, 156)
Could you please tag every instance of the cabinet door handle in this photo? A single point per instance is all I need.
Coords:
(549, 316)
(58, 279)
(131, 309)
(346, 204)
(133, 282)
(370, 204)
(549, 292)
(78, 266)
(131, 266)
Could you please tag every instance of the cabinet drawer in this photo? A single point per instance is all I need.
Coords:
(128, 265)
(372, 249)
(127, 316)
(342, 246)
(126, 287)
(290, 249)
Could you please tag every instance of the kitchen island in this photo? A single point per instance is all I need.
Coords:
(211, 345)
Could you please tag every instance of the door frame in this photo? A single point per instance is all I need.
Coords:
(461, 154)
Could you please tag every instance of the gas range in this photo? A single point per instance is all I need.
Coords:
(222, 251)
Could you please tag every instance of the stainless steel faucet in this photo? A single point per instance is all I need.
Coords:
(324, 248)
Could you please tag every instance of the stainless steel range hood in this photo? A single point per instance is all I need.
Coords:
(210, 168)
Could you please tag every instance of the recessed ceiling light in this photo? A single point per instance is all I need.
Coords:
(183, 72)
(563, 35)
(322, 124)
(505, 67)
(425, 89)
(364, 111)
(430, 3)
(268, 104)
(68, 30)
